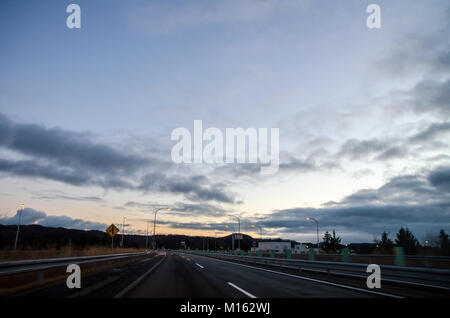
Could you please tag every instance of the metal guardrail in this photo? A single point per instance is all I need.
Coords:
(380, 256)
(27, 265)
(25, 275)
(411, 276)
(61, 259)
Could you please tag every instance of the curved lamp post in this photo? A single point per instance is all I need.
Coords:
(239, 228)
(317, 224)
(154, 225)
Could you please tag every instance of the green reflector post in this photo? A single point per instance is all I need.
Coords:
(311, 254)
(345, 253)
(399, 256)
(288, 254)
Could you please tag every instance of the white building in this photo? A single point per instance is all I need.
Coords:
(277, 246)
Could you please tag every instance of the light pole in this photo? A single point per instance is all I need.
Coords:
(215, 240)
(123, 229)
(146, 240)
(260, 232)
(317, 224)
(154, 225)
(239, 229)
(232, 238)
(18, 225)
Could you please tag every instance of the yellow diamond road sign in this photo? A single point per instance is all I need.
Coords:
(112, 230)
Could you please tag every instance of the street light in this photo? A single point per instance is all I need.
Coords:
(123, 229)
(260, 232)
(146, 240)
(239, 229)
(154, 225)
(18, 225)
(215, 240)
(317, 224)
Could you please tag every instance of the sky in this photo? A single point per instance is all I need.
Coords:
(86, 115)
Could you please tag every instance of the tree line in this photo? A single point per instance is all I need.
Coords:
(437, 245)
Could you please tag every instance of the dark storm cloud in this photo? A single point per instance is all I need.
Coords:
(440, 178)
(32, 168)
(432, 137)
(186, 209)
(288, 164)
(420, 52)
(434, 131)
(181, 208)
(368, 219)
(426, 55)
(431, 96)
(58, 195)
(65, 147)
(356, 149)
(31, 216)
(73, 158)
(195, 225)
(195, 188)
(294, 164)
(417, 201)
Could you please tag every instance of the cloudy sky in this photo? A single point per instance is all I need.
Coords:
(86, 114)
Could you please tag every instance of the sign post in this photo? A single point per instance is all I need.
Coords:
(112, 230)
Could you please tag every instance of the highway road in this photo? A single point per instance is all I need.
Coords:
(184, 275)
(177, 274)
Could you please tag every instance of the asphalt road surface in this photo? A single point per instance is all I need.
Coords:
(182, 275)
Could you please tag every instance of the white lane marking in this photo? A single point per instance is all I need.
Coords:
(241, 290)
(188, 259)
(199, 265)
(309, 279)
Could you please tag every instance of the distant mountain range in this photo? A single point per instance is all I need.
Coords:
(42, 237)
